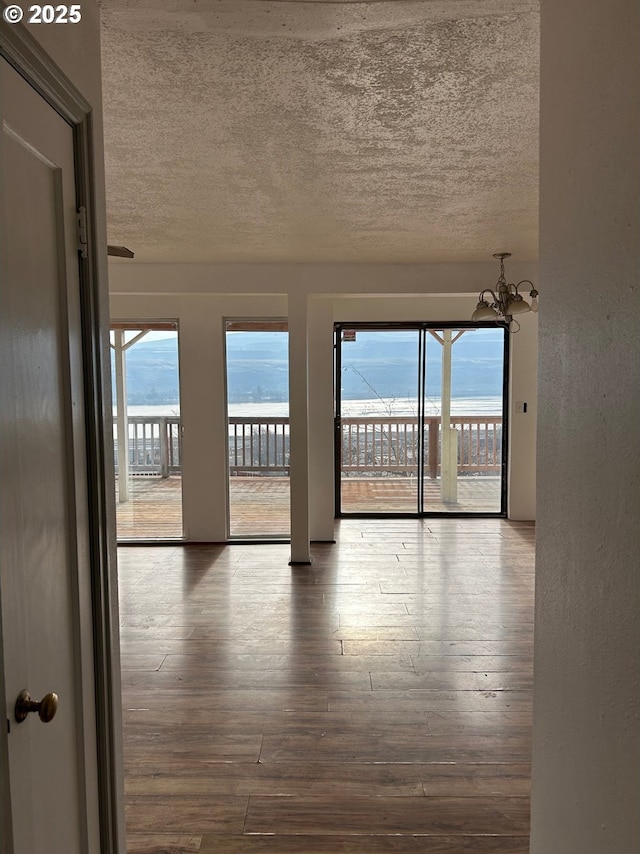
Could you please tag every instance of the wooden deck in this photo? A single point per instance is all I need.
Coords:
(399, 495)
(259, 506)
(376, 701)
(154, 509)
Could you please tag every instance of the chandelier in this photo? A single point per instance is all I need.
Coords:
(500, 305)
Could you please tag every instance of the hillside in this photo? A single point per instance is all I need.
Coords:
(375, 364)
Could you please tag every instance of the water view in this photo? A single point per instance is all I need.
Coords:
(350, 408)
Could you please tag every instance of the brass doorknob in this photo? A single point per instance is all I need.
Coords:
(46, 708)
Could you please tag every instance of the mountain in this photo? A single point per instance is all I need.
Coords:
(383, 364)
(152, 372)
(257, 367)
(386, 363)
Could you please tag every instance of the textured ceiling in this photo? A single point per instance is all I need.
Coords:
(320, 130)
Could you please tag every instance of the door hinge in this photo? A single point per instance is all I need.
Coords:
(82, 232)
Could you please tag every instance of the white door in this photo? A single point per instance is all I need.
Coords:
(44, 546)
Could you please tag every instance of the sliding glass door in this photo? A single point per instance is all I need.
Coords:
(420, 418)
(379, 420)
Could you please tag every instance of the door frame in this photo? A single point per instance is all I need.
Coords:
(255, 323)
(417, 326)
(31, 61)
(152, 325)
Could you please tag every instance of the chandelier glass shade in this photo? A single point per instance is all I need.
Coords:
(501, 304)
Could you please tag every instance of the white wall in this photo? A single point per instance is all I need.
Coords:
(522, 425)
(130, 277)
(586, 756)
(200, 297)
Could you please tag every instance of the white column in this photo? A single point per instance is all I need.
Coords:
(122, 425)
(203, 416)
(321, 437)
(299, 428)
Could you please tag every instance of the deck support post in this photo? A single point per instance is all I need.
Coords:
(163, 436)
(122, 425)
(299, 428)
(449, 457)
(120, 347)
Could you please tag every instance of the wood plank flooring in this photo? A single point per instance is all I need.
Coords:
(377, 701)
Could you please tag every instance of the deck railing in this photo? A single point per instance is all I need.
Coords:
(390, 444)
(479, 443)
(259, 445)
(154, 445)
(370, 445)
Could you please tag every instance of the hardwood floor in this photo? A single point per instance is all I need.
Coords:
(377, 701)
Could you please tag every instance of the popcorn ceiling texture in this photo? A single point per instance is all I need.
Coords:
(314, 130)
